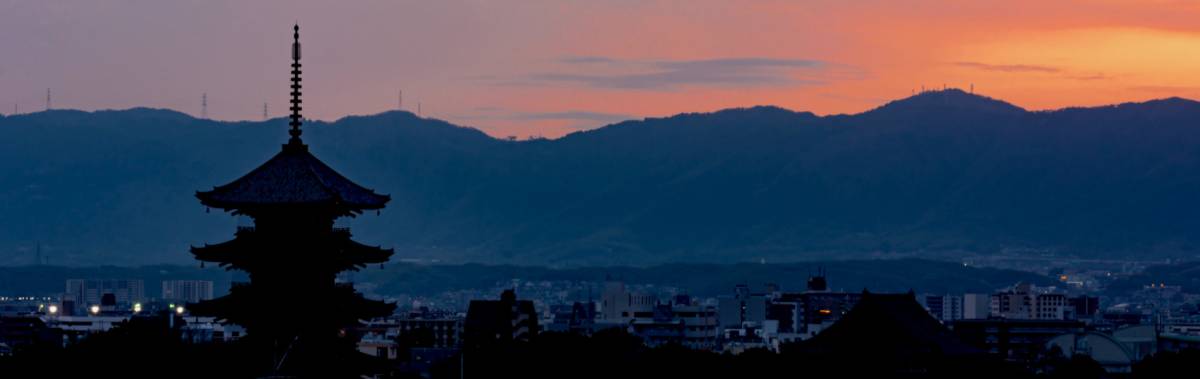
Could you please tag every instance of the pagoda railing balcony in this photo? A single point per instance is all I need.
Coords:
(336, 229)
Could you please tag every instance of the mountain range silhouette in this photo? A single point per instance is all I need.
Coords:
(943, 172)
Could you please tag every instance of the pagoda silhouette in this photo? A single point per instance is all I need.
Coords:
(295, 313)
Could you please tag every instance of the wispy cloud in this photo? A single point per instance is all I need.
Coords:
(1009, 67)
(667, 75)
(1090, 77)
(1033, 69)
(587, 59)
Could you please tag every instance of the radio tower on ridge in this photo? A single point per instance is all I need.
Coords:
(47, 99)
(204, 105)
(265, 116)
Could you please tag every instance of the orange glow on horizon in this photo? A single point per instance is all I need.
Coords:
(550, 68)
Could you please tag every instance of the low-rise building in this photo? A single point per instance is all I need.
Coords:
(1025, 301)
(1021, 340)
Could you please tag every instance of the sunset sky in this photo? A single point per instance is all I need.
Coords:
(551, 67)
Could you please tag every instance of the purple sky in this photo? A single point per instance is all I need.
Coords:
(549, 67)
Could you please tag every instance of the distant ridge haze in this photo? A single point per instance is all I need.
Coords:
(942, 172)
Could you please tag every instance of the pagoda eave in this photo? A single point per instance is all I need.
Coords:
(345, 253)
(245, 303)
(339, 207)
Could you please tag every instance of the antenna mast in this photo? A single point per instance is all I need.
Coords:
(204, 105)
(297, 119)
(47, 99)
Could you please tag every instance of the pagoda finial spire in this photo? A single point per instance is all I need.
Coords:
(297, 119)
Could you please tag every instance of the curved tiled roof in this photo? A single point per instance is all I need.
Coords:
(894, 324)
(292, 177)
(235, 253)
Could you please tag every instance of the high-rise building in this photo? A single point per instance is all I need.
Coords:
(189, 291)
(976, 306)
(88, 292)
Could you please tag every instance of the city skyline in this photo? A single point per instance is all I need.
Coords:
(547, 69)
(918, 189)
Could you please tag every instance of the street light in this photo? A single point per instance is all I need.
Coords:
(137, 307)
(95, 309)
(179, 310)
(53, 309)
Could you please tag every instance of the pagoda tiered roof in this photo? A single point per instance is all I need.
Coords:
(293, 306)
(341, 253)
(293, 177)
(339, 305)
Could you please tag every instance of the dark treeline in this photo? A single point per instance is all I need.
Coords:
(1185, 274)
(145, 347)
(899, 275)
(51, 280)
(698, 279)
(616, 354)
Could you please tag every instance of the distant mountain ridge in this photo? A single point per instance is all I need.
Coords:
(940, 172)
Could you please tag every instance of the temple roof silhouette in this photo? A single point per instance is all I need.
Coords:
(293, 177)
(349, 254)
(892, 324)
